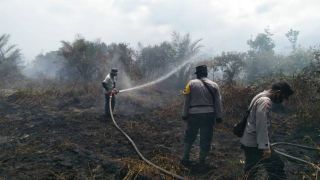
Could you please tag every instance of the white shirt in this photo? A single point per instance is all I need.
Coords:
(258, 129)
(110, 83)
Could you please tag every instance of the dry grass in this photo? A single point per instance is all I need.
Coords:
(138, 168)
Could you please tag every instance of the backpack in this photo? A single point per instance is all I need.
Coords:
(238, 128)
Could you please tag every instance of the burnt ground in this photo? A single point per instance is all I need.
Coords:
(62, 137)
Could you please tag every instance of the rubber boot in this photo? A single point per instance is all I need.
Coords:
(202, 157)
(186, 155)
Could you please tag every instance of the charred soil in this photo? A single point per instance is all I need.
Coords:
(47, 135)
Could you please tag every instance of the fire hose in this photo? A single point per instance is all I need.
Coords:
(136, 148)
(317, 168)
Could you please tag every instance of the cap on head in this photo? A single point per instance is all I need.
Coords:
(114, 71)
(201, 70)
(283, 87)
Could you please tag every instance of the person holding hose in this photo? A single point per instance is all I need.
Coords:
(202, 108)
(109, 84)
(255, 141)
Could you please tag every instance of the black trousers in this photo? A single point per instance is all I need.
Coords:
(106, 105)
(203, 122)
(273, 165)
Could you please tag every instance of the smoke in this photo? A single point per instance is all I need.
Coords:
(123, 80)
(44, 66)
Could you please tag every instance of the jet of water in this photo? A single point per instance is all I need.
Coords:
(159, 79)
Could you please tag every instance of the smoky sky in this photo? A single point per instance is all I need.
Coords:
(38, 26)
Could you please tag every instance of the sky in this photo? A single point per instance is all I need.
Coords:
(39, 26)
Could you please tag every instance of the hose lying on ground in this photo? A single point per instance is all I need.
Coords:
(316, 167)
(136, 148)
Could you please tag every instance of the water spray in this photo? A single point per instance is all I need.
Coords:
(159, 79)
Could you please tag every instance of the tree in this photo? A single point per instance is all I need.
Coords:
(84, 60)
(263, 43)
(292, 36)
(184, 47)
(156, 60)
(231, 64)
(123, 56)
(260, 60)
(296, 61)
(313, 69)
(9, 61)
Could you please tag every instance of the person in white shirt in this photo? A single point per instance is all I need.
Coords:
(202, 109)
(256, 138)
(109, 84)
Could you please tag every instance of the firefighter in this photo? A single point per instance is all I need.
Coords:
(202, 109)
(109, 84)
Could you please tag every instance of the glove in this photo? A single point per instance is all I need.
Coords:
(184, 118)
(219, 120)
(115, 91)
